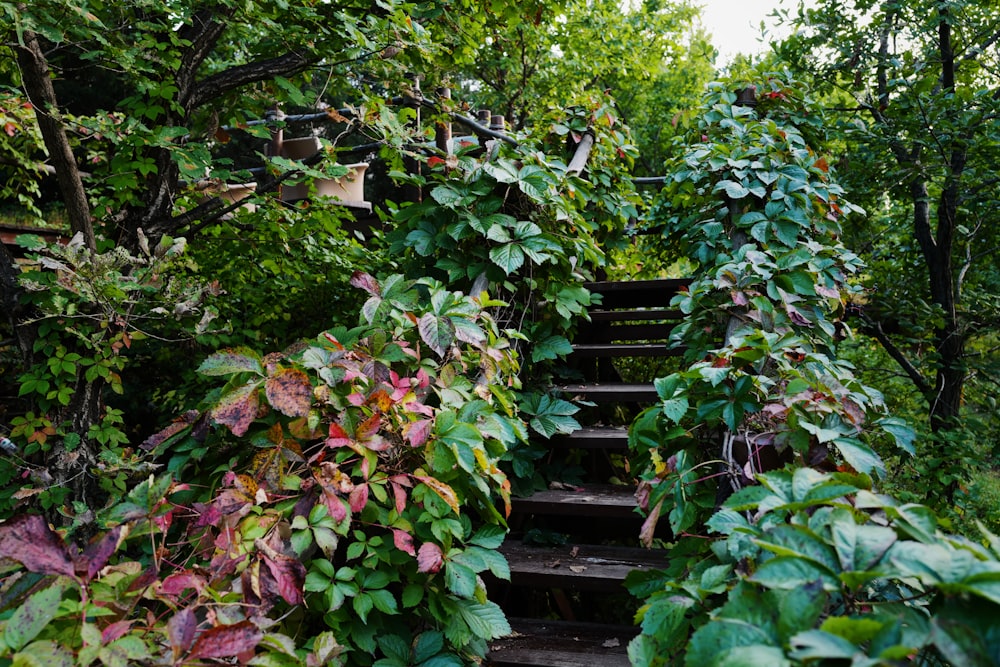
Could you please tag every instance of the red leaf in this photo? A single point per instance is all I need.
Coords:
(434, 161)
(290, 392)
(403, 541)
(10, 129)
(29, 540)
(362, 280)
(180, 631)
(238, 409)
(338, 437)
(429, 558)
(368, 427)
(226, 641)
(114, 631)
(177, 583)
(98, 552)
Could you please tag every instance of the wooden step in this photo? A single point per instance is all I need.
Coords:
(590, 500)
(593, 437)
(633, 315)
(583, 567)
(637, 293)
(562, 644)
(612, 392)
(608, 332)
(616, 350)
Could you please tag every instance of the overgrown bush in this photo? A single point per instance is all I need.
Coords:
(357, 509)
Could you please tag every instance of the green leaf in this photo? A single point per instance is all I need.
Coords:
(753, 656)
(43, 654)
(860, 456)
(235, 360)
(675, 408)
(860, 548)
(901, 431)
(552, 347)
(732, 189)
(460, 579)
(787, 572)
(30, 618)
(509, 257)
(818, 645)
(437, 332)
(486, 620)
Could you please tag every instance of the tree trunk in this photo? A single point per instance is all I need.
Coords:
(38, 85)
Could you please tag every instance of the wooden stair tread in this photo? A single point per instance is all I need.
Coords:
(610, 392)
(579, 567)
(594, 437)
(591, 500)
(634, 315)
(636, 293)
(562, 644)
(626, 350)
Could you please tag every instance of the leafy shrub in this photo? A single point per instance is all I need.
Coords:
(357, 510)
(813, 567)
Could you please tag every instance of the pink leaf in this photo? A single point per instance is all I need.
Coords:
(403, 541)
(180, 631)
(416, 433)
(399, 495)
(226, 641)
(114, 631)
(359, 497)
(29, 540)
(429, 558)
(362, 280)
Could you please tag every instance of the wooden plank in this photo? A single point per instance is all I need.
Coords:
(636, 315)
(590, 500)
(578, 567)
(593, 437)
(612, 392)
(606, 333)
(618, 350)
(562, 644)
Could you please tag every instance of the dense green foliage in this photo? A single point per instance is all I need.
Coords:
(914, 98)
(811, 568)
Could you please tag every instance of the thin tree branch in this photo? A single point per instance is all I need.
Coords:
(875, 330)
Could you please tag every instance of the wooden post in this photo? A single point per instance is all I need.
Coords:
(442, 133)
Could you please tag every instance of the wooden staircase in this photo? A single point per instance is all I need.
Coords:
(566, 601)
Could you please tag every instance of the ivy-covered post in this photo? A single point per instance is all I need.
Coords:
(759, 212)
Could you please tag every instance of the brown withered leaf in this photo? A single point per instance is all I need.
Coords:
(289, 391)
(238, 409)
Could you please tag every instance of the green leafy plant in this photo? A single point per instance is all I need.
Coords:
(759, 211)
(811, 567)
